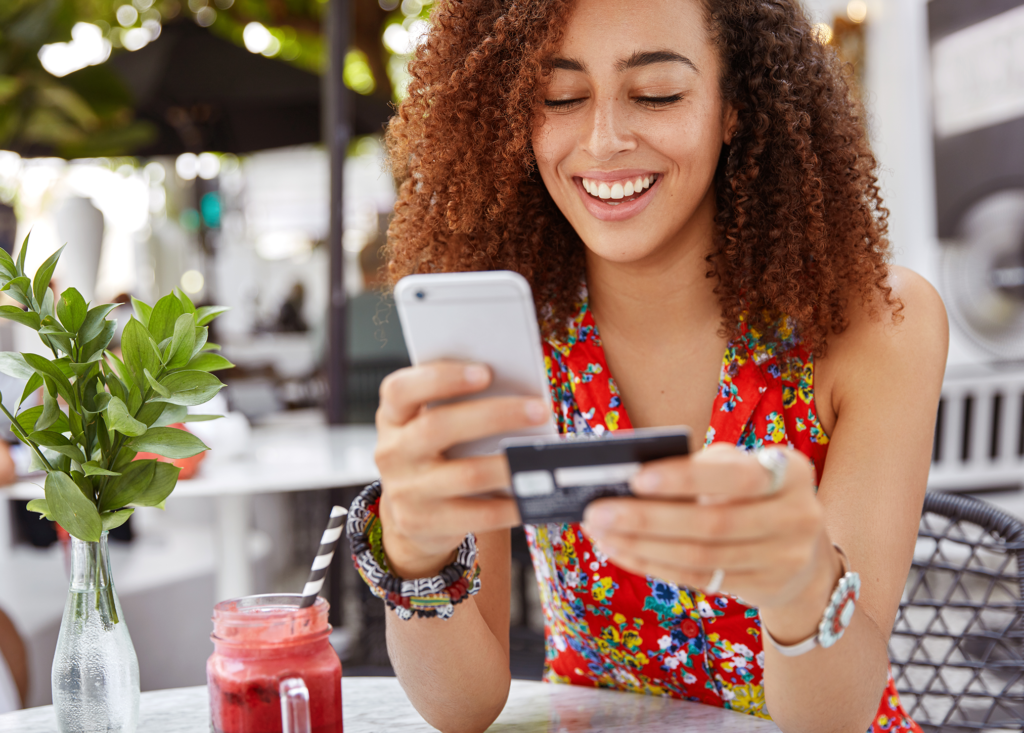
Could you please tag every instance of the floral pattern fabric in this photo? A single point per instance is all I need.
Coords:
(607, 627)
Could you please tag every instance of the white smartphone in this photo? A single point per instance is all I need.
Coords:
(483, 317)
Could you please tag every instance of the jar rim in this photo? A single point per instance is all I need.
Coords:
(269, 618)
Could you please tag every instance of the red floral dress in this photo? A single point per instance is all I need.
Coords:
(606, 627)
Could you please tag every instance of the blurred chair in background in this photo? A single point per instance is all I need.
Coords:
(13, 667)
(956, 647)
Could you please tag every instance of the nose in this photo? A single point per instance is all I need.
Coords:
(607, 133)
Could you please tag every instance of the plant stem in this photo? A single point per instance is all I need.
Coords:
(16, 429)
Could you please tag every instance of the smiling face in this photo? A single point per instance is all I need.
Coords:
(632, 126)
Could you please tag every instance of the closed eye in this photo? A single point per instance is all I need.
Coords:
(656, 102)
(563, 104)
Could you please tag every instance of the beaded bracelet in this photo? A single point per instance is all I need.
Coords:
(425, 597)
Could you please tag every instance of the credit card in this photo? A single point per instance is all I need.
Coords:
(555, 477)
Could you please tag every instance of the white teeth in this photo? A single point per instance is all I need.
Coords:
(617, 190)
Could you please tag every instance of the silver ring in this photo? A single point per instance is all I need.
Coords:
(775, 462)
(716, 582)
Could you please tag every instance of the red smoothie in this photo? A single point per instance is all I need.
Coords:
(260, 641)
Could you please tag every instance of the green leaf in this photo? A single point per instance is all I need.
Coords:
(46, 305)
(41, 281)
(71, 509)
(51, 410)
(117, 387)
(190, 388)
(14, 365)
(124, 459)
(21, 255)
(142, 311)
(171, 415)
(207, 313)
(34, 383)
(121, 420)
(16, 314)
(58, 444)
(7, 267)
(139, 353)
(157, 387)
(165, 477)
(164, 317)
(94, 348)
(202, 333)
(151, 412)
(71, 310)
(200, 418)
(122, 490)
(20, 289)
(119, 366)
(56, 333)
(92, 468)
(168, 442)
(113, 520)
(134, 400)
(182, 342)
(207, 362)
(50, 369)
(92, 326)
(186, 302)
(39, 505)
(27, 419)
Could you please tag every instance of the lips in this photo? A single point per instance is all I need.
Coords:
(618, 196)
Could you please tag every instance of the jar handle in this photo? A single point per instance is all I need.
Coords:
(294, 706)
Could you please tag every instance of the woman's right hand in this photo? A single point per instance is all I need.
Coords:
(428, 502)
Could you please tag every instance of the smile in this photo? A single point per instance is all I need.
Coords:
(614, 193)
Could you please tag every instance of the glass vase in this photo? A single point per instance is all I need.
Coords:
(95, 675)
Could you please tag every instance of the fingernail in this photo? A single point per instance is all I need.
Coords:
(648, 480)
(537, 410)
(476, 374)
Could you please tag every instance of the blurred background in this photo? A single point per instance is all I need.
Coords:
(232, 148)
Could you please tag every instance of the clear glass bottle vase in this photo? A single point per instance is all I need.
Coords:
(95, 676)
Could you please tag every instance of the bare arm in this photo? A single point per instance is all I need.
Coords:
(455, 671)
(886, 391)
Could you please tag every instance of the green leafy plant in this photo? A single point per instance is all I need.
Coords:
(98, 409)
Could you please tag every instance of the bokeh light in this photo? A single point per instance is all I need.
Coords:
(208, 166)
(857, 11)
(192, 281)
(823, 33)
(187, 166)
(87, 47)
(256, 37)
(127, 15)
(357, 73)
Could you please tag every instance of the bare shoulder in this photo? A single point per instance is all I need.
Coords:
(881, 345)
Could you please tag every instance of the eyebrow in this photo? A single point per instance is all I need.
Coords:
(638, 59)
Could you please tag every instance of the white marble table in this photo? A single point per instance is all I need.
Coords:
(276, 459)
(378, 705)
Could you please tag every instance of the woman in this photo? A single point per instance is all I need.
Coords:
(701, 168)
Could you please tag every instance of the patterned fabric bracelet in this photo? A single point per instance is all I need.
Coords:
(425, 597)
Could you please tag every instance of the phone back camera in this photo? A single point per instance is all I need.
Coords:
(420, 295)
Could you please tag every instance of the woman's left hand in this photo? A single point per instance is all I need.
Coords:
(714, 510)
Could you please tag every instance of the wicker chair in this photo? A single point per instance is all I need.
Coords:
(956, 647)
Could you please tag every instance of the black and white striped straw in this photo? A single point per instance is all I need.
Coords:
(323, 557)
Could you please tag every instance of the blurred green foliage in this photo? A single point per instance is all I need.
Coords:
(90, 113)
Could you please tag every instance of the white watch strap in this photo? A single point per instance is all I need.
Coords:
(802, 647)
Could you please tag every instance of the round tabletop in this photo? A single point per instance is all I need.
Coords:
(374, 704)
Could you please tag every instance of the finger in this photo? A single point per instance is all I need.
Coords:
(644, 566)
(404, 392)
(466, 476)
(747, 521)
(719, 473)
(439, 428)
(697, 557)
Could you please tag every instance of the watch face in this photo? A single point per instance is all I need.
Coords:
(839, 613)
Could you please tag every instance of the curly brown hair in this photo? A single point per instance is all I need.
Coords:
(800, 226)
